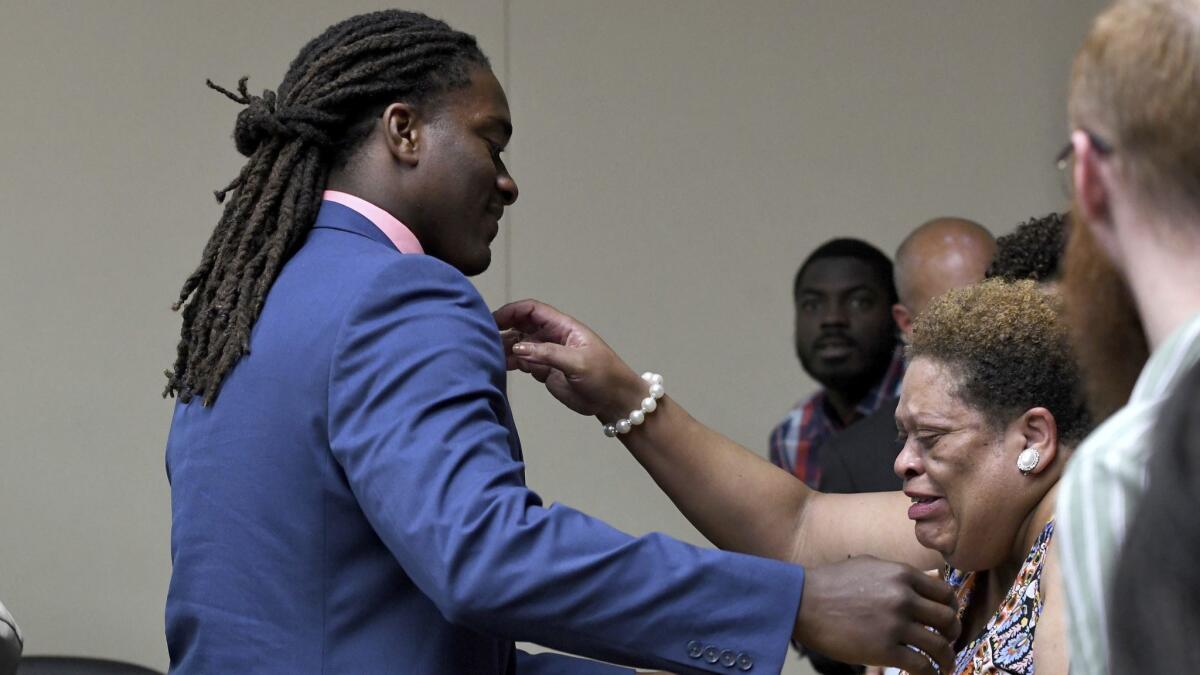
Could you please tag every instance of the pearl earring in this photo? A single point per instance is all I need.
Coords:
(1028, 460)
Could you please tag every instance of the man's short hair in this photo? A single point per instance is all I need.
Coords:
(846, 247)
(1032, 251)
(1136, 85)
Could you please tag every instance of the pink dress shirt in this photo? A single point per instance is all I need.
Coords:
(402, 237)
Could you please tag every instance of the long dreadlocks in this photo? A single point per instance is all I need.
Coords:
(325, 107)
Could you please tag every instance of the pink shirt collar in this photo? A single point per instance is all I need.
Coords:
(402, 237)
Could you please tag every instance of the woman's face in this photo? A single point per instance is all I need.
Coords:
(968, 499)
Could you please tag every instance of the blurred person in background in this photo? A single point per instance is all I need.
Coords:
(1131, 281)
(939, 255)
(1155, 621)
(1034, 250)
(845, 340)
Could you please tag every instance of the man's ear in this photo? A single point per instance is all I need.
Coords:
(1038, 430)
(904, 321)
(1092, 193)
(403, 132)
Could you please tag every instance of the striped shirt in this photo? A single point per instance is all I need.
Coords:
(796, 441)
(1100, 490)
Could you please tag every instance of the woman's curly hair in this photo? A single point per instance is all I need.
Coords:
(1032, 251)
(1008, 345)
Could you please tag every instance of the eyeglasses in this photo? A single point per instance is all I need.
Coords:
(1063, 160)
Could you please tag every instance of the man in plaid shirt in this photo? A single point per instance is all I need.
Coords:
(846, 340)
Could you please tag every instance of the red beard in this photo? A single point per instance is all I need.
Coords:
(1106, 330)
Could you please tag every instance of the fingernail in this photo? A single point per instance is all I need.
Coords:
(521, 348)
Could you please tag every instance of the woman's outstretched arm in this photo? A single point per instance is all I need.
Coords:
(734, 497)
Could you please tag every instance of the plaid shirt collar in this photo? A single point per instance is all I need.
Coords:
(795, 442)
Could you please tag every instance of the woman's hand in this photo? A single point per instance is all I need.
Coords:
(576, 366)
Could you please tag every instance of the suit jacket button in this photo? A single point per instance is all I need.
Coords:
(744, 662)
(728, 659)
(695, 649)
(712, 654)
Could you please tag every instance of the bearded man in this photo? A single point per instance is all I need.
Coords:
(1132, 280)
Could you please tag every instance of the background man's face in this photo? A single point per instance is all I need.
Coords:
(845, 335)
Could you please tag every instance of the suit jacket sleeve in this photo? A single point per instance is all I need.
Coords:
(417, 420)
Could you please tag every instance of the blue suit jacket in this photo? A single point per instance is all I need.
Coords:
(354, 502)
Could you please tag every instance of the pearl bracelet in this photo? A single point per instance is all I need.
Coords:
(649, 405)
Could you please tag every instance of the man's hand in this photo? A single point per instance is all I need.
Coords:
(866, 610)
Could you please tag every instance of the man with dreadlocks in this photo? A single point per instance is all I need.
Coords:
(348, 494)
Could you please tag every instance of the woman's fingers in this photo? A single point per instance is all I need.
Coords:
(539, 372)
(578, 368)
(535, 318)
(548, 354)
(519, 315)
(508, 338)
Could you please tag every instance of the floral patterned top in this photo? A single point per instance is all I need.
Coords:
(1006, 644)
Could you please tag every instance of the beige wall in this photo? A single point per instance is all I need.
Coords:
(676, 160)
